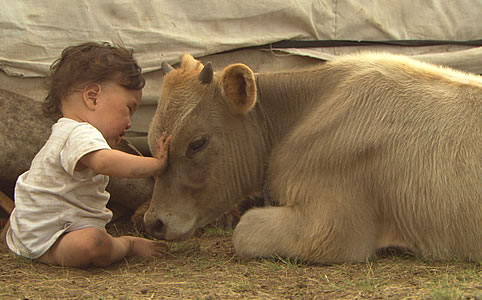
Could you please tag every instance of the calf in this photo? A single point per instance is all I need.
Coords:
(363, 152)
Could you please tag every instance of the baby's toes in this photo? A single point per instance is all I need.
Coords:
(160, 248)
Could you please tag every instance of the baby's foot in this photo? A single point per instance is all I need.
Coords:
(146, 248)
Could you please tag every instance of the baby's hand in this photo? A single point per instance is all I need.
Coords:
(162, 147)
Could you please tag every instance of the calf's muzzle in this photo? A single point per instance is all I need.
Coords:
(155, 227)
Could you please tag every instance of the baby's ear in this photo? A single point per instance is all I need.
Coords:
(90, 94)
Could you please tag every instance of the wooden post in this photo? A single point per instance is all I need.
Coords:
(6, 203)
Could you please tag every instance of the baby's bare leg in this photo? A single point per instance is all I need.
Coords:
(91, 246)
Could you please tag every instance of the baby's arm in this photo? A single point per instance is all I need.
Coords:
(120, 164)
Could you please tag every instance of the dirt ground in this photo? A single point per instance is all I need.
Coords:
(205, 268)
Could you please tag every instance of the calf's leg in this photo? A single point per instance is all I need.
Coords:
(305, 233)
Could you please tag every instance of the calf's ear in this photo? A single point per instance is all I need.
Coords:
(239, 87)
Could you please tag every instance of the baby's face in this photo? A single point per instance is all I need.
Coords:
(114, 108)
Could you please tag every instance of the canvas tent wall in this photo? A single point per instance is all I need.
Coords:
(34, 32)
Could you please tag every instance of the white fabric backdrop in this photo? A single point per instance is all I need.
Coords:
(34, 32)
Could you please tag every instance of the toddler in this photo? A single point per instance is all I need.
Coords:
(60, 203)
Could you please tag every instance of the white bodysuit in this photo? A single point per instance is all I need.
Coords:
(52, 198)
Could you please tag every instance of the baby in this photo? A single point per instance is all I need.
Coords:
(60, 203)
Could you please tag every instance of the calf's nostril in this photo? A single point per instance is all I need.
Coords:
(156, 229)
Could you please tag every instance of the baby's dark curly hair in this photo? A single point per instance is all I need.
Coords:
(87, 63)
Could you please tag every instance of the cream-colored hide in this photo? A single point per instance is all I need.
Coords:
(361, 152)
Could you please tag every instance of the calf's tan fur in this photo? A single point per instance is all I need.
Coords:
(362, 152)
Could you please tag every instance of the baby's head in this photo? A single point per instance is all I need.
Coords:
(90, 63)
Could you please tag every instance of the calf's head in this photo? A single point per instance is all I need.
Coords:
(215, 157)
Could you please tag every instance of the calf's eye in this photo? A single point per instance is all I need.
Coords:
(196, 145)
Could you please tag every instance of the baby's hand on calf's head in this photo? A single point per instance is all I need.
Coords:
(162, 144)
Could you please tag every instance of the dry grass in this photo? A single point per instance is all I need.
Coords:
(206, 268)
